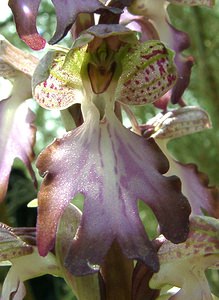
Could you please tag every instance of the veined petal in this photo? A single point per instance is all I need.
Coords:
(101, 162)
(183, 265)
(148, 72)
(15, 59)
(179, 41)
(195, 185)
(203, 198)
(17, 137)
(57, 83)
(139, 24)
(179, 122)
(17, 133)
(155, 12)
(11, 245)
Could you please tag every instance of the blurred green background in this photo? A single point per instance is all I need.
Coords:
(202, 24)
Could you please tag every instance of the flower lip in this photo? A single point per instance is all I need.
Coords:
(112, 174)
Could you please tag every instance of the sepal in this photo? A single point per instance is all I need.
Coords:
(148, 72)
(184, 265)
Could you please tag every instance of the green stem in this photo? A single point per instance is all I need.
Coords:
(117, 274)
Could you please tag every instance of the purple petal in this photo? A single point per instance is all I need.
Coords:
(175, 39)
(11, 246)
(55, 86)
(140, 24)
(17, 137)
(25, 14)
(195, 185)
(179, 41)
(184, 66)
(67, 11)
(102, 162)
(17, 134)
(13, 59)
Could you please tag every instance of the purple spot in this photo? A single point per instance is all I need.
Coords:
(154, 53)
(147, 71)
(151, 67)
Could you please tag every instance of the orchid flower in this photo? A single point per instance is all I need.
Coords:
(184, 265)
(99, 159)
(131, 56)
(17, 133)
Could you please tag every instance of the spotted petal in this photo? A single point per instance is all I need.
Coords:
(101, 162)
(148, 72)
(17, 133)
(11, 245)
(184, 265)
(56, 81)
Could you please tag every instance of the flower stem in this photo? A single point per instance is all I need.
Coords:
(117, 274)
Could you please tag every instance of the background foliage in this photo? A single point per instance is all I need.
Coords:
(201, 148)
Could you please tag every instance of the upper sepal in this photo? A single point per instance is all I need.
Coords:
(148, 72)
(56, 81)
